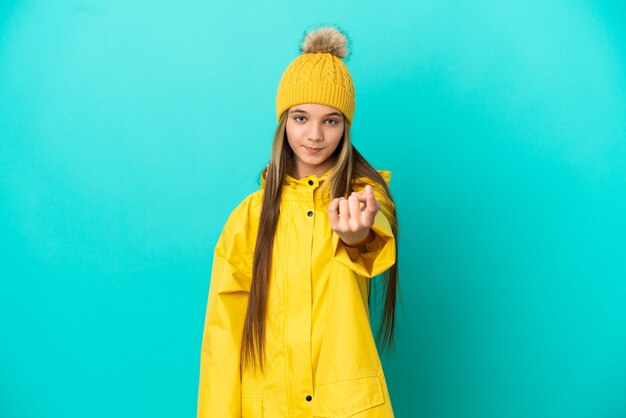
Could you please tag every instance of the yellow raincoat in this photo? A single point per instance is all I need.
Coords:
(321, 358)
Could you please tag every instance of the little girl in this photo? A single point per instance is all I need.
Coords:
(287, 331)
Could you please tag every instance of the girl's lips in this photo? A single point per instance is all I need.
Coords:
(313, 150)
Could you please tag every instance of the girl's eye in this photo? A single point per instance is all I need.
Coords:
(297, 119)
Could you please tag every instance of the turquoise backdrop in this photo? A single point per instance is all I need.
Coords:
(130, 129)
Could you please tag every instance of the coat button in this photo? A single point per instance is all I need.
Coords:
(308, 398)
(311, 182)
(310, 213)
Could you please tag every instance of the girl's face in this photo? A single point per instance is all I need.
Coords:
(313, 132)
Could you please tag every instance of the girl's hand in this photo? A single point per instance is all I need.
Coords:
(351, 221)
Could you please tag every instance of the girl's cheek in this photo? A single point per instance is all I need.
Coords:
(297, 130)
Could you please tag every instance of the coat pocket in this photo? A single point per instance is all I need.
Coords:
(346, 397)
(252, 406)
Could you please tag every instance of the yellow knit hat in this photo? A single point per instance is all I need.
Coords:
(319, 75)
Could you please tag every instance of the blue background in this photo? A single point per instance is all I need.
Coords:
(130, 129)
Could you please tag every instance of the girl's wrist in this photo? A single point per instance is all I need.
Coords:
(364, 241)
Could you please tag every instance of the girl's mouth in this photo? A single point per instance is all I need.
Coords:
(313, 150)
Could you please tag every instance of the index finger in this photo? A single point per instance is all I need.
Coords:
(370, 200)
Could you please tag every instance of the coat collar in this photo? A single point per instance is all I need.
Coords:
(289, 180)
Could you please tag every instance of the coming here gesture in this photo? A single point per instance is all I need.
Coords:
(351, 221)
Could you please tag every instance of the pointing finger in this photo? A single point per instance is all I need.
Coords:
(372, 206)
(370, 199)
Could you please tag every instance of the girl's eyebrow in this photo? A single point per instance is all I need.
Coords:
(302, 111)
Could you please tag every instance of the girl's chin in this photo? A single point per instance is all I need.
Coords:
(313, 160)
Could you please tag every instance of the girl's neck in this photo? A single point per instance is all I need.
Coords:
(318, 170)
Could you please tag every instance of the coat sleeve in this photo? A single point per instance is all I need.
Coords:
(219, 392)
(377, 255)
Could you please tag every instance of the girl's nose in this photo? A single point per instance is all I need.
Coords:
(315, 134)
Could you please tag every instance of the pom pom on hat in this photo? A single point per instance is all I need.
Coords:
(325, 39)
(318, 74)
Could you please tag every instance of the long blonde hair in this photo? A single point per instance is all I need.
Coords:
(349, 165)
